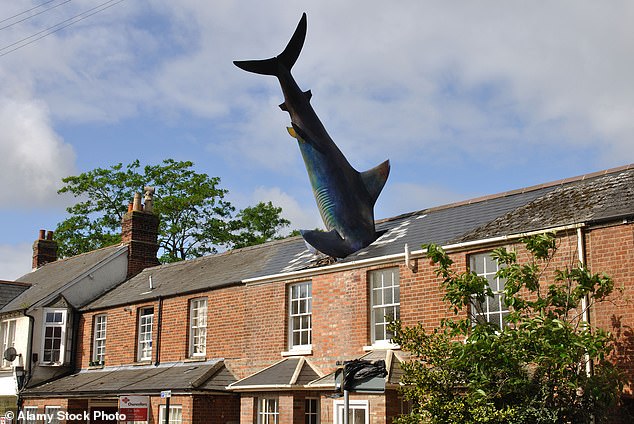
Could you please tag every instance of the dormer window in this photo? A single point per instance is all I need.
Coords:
(54, 336)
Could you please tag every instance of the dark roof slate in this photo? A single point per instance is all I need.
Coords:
(180, 377)
(54, 276)
(287, 373)
(605, 194)
(585, 201)
(9, 290)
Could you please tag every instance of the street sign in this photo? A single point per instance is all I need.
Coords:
(166, 394)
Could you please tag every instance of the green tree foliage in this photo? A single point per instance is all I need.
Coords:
(535, 369)
(257, 224)
(195, 218)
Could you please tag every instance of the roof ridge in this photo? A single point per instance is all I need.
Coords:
(119, 245)
(560, 182)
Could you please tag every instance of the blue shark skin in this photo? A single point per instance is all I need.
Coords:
(345, 197)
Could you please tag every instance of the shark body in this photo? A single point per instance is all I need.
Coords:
(345, 197)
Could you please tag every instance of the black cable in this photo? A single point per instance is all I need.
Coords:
(27, 11)
(31, 16)
(58, 27)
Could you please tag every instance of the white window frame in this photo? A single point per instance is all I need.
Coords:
(51, 411)
(54, 324)
(265, 416)
(174, 409)
(30, 410)
(100, 324)
(144, 344)
(300, 316)
(7, 338)
(339, 408)
(198, 327)
(311, 415)
(497, 286)
(385, 303)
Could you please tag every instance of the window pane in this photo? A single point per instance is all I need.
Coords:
(300, 313)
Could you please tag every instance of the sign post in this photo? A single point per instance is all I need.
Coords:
(167, 394)
(359, 376)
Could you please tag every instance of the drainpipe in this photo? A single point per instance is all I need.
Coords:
(585, 312)
(28, 361)
(159, 315)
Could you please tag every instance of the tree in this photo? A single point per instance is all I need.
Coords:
(535, 369)
(195, 217)
(257, 224)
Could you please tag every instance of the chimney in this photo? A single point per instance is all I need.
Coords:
(44, 249)
(139, 230)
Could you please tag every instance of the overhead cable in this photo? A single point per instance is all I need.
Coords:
(57, 27)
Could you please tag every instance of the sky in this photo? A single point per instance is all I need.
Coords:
(464, 98)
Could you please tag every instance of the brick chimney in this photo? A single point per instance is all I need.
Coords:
(139, 230)
(44, 249)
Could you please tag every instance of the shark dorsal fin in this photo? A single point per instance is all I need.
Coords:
(308, 94)
(374, 179)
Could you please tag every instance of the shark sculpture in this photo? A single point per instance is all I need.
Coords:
(345, 197)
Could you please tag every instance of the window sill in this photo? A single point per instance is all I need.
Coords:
(51, 364)
(382, 346)
(299, 352)
(95, 367)
(195, 359)
(142, 363)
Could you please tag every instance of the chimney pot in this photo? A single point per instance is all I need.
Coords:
(137, 202)
(130, 206)
(49, 235)
(42, 234)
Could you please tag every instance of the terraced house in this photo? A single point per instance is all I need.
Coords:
(255, 335)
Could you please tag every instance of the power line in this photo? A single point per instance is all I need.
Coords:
(30, 16)
(57, 27)
(27, 11)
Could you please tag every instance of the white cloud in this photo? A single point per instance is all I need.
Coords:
(300, 217)
(15, 260)
(34, 157)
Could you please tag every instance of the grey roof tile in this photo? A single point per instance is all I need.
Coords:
(287, 373)
(598, 195)
(180, 377)
(54, 276)
(9, 290)
(588, 200)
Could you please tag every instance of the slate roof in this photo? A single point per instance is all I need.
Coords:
(180, 377)
(9, 290)
(601, 195)
(289, 373)
(55, 276)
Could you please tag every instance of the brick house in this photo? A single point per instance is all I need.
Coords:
(255, 335)
(42, 321)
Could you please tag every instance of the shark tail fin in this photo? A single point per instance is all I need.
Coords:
(374, 179)
(286, 59)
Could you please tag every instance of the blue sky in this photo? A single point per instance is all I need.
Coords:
(464, 98)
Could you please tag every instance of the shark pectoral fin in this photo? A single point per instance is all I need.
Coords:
(301, 135)
(374, 179)
(329, 243)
